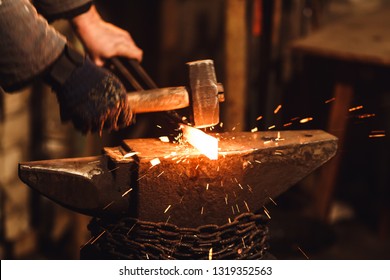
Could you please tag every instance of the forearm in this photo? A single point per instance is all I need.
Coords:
(28, 45)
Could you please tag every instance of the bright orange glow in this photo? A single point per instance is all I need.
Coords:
(205, 143)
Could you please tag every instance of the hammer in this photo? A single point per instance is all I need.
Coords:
(203, 94)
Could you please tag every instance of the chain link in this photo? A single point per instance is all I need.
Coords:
(244, 238)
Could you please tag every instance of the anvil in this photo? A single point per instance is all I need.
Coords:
(156, 181)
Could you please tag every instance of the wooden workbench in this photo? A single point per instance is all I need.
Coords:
(355, 42)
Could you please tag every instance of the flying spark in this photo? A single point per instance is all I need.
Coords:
(303, 253)
(364, 116)
(238, 208)
(277, 109)
(211, 253)
(108, 205)
(201, 210)
(259, 118)
(273, 201)
(160, 174)
(246, 205)
(287, 124)
(207, 187)
(125, 193)
(166, 210)
(100, 235)
(305, 120)
(159, 126)
(330, 100)
(355, 108)
(254, 129)
(271, 127)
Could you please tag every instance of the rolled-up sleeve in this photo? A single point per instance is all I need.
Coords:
(28, 45)
(54, 9)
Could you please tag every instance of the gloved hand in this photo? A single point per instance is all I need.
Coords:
(91, 97)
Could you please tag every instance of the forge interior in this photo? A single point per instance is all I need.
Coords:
(285, 65)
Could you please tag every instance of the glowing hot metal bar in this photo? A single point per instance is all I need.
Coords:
(204, 143)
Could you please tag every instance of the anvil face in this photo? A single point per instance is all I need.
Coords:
(184, 188)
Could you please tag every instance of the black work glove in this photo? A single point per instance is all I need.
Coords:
(90, 96)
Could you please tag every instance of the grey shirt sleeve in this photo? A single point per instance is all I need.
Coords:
(28, 44)
(54, 9)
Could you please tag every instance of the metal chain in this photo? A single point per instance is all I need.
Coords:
(128, 238)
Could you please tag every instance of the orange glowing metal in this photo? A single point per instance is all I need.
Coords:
(205, 143)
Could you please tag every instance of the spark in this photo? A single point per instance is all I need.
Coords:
(108, 205)
(229, 220)
(294, 119)
(278, 152)
(141, 177)
(159, 126)
(259, 118)
(211, 253)
(131, 229)
(181, 199)
(226, 199)
(218, 168)
(303, 253)
(254, 129)
(243, 242)
(240, 186)
(234, 128)
(126, 192)
(147, 256)
(271, 127)
(130, 154)
(305, 120)
(197, 166)
(364, 116)
(287, 124)
(239, 251)
(164, 139)
(246, 205)
(155, 161)
(277, 109)
(160, 174)
(273, 201)
(201, 210)
(167, 220)
(238, 208)
(330, 100)
(221, 183)
(207, 187)
(116, 168)
(355, 108)
(221, 124)
(166, 210)
(258, 161)
(233, 210)
(100, 235)
(377, 134)
(267, 213)
(93, 162)
(250, 188)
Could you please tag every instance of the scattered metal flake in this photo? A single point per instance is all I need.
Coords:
(128, 155)
(155, 161)
(164, 139)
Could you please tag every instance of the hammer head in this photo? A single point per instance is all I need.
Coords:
(205, 93)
